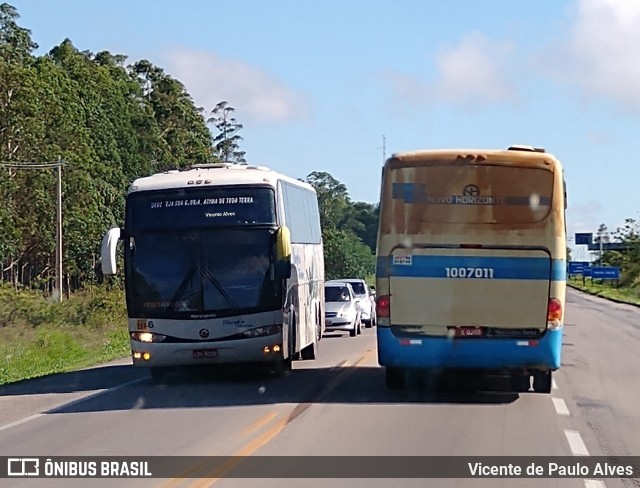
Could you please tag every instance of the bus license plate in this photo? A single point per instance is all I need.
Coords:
(205, 353)
(468, 332)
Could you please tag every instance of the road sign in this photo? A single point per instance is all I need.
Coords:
(605, 272)
(586, 272)
(584, 238)
(577, 267)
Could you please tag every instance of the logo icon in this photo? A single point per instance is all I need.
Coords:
(471, 191)
(23, 467)
(204, 333)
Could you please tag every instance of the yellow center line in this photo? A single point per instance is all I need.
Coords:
(261, 422)
(219, 471)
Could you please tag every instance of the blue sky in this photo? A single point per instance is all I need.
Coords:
(318, 83)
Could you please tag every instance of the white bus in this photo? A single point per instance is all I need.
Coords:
(223, 264)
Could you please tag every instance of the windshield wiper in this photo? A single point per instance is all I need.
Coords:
(207, 274)
(182, 287)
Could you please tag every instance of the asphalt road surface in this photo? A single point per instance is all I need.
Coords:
(338, 406)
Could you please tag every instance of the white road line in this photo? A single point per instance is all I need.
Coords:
(71, 404)
(561, 406)
(594, 484)
(554, 385)
(577, 445)
(21, 421)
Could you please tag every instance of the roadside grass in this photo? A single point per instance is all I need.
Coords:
(607, 290)
(39, 336)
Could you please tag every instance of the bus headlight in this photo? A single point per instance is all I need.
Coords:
(147, 337)
(262, 331)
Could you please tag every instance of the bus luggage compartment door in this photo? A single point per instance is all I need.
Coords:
(469, 291)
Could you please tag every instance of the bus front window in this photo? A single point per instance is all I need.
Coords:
(221, 271)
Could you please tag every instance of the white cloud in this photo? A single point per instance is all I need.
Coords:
(584, 217)
(474, 72)
(470, 75)
(254, 93)
(600, 53)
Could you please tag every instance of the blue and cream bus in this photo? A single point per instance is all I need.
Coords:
(223, 264)
(471, 264)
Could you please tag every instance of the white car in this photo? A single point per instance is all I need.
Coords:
(366, 301)
(341, 309)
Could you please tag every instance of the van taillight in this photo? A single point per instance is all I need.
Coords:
(383, 306)
(554, 310)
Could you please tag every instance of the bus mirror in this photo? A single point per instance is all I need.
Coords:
(283, 252)
(109, 243)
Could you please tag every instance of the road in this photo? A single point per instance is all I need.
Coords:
(338, 406)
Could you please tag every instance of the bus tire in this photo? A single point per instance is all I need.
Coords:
(394, 378)
(542, 381)
(310, 352)
(520, 382)
(293, 354)
(283, 366)
(159, 374)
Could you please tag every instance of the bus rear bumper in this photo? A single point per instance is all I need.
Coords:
(491, 354)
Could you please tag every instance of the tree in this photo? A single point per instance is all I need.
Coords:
(15, 41)
(345, 255)
(345, 226)
(333, 198)
(226, 143)
(184, 136)
(602, 237)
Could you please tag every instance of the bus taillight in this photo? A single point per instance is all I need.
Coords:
(383, 306)
(554, 311)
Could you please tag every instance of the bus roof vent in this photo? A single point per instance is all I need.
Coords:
(212, 166)
(253, 166)
(519, 147)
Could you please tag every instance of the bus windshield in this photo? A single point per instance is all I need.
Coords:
(212, 273)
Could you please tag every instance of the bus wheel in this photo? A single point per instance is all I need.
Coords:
(159, 374)
(283, 366)
(394, 378)
(542, 381)
(310, 352)
(520, 382)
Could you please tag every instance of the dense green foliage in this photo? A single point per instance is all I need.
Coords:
(108, 122)
(39, 337)
(348, 229)
(627, 259)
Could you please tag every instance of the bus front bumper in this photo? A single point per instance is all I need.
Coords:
(256, 350)
(469, 353)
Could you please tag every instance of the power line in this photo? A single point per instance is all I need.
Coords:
(31, 164)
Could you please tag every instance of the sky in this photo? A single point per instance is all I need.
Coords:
(338, 85)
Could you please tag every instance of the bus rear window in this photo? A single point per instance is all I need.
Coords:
(466, 194)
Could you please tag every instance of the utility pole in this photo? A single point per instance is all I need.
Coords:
(59, 232)
(58, 250)
(384, 149)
